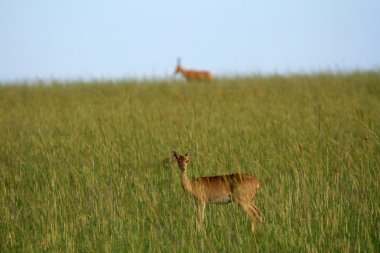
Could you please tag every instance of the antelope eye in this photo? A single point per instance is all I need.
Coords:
(187, 161)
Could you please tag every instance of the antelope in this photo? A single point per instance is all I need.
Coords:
(239, 187)
(193, 75)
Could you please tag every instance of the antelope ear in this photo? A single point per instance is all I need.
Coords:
(174, 154)
(187, 154)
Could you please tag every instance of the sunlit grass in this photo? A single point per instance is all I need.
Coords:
(81, 164)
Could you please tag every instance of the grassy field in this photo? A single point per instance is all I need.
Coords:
(81, 164)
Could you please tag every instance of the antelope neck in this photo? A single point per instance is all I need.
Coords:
(186, 184)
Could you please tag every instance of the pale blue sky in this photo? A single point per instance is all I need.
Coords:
(76, 39)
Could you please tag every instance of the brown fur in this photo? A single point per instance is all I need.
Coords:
(194, 75)
(239, 187)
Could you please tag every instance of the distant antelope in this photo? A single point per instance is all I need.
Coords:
(239, 187)
(192, 75)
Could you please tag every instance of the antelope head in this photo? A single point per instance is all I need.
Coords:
(182, 160)
(179, 68)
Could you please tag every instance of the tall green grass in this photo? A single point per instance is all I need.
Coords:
(81, 164)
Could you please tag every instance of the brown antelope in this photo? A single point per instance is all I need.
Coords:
(193, 75)
(239, 187)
